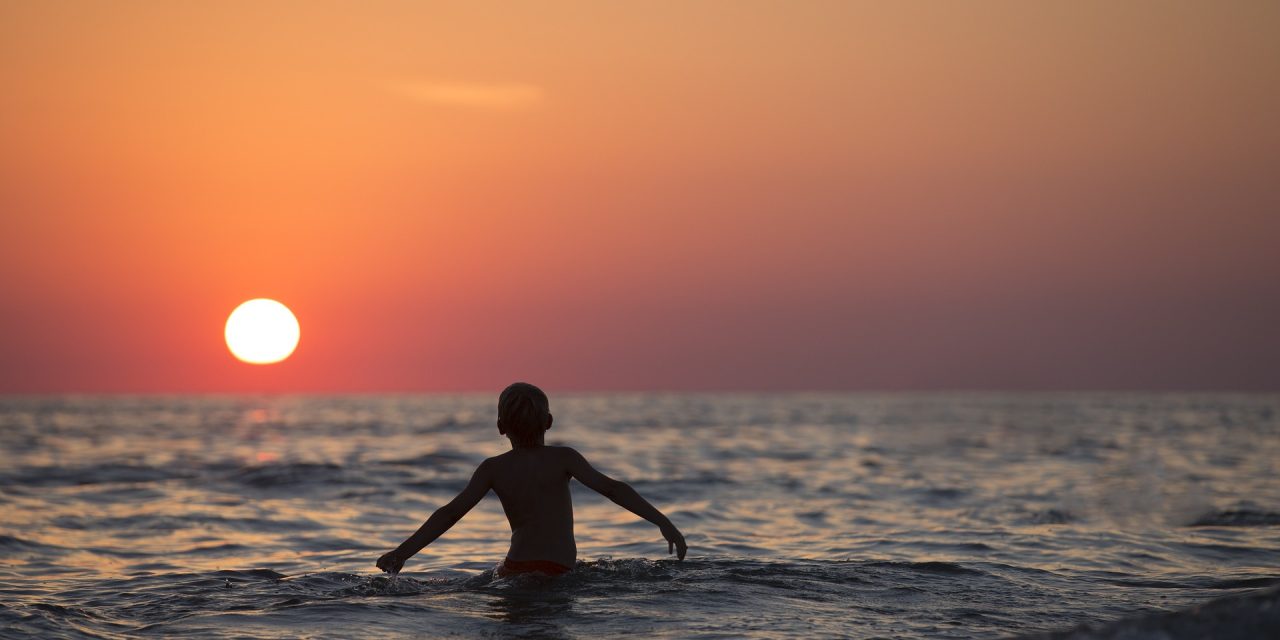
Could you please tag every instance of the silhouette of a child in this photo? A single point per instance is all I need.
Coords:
(532, 481)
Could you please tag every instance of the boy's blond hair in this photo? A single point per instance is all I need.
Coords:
(523, 410)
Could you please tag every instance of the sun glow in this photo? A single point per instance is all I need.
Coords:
(262, 331)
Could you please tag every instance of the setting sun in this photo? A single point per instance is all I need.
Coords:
(262, 331)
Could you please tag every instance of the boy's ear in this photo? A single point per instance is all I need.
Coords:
(501, 431)
(550, 419)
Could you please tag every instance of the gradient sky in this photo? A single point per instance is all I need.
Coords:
(656, 195)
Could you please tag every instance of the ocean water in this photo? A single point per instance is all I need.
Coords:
(807, 515)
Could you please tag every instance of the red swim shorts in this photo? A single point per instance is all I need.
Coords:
(511, 567)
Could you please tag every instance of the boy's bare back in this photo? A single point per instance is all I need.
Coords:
(533, 485)
(532, 481)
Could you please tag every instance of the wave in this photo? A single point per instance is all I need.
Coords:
(1052, 516)
(949, 568)
(436, 458)
(292, 474)
(15, 544)
(162, 523)
(160, 602)
(1242, 517)
(106, 473)
(1245, 617)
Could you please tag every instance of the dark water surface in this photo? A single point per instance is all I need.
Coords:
(913, 516)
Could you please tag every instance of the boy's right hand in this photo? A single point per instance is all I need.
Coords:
(391, 562)
(675, 541)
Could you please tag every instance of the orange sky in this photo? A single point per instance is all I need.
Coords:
(671, 195)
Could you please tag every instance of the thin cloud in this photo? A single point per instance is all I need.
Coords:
(498, 96)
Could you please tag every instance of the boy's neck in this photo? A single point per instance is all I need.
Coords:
(540, 443)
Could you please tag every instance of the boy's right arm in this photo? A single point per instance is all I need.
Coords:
(624, 496)
(440, 521)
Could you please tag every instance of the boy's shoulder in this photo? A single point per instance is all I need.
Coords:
(567, 454)
(552, 451)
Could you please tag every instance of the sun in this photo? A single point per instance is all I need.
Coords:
(262, 331)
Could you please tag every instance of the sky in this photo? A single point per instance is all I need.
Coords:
(642, 196)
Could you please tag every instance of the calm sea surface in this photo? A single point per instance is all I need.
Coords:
(912, 516)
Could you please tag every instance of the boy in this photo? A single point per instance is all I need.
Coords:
(532, 481)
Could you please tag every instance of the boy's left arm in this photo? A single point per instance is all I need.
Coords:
(440, 521)
(623, 495)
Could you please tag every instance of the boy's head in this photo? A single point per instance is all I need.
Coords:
(523, 414)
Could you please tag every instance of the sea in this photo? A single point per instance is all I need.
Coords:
(829, 515)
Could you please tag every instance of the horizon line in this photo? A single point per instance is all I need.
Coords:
(662, 391)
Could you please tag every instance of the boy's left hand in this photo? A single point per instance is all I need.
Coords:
(675, 541)
(391, 562)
